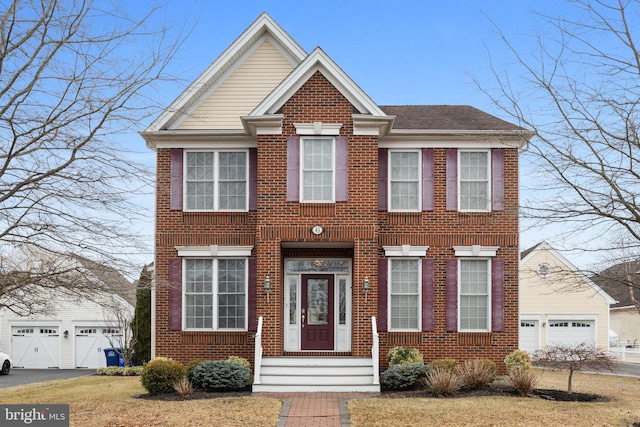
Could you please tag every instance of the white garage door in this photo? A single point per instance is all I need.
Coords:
(529, 338)
(90, 344)
(35, 347)
(571, 332)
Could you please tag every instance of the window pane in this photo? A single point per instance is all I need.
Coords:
(474, 181)
(200, 166)
(404, 180)
(405, 293)
(231, 293)
(317, 169)
(199, 311)
(474, 294)
(200, 195)
(199, 275)
(233, 181)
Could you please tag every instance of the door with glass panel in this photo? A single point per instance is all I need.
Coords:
(317, 314)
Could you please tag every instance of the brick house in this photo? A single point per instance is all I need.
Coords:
(300, 224)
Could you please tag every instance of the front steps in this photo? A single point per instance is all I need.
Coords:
(316, 374)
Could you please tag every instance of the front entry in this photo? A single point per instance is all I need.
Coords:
(317, 314)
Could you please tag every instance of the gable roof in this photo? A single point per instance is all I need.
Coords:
(262, 27)
(113, 281)
(613, 280)
(544, 246)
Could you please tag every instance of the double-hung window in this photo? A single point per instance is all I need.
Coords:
(404, 294)
(215, 293)
(318, 169)
(404, 180)
(216, 180)
(475, 299)
(474, 180)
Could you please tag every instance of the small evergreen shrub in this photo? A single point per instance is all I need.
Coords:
(401, 355)
(220, 375)
(189, 367)
(518, 359)
(442, 381)
(159, 375)
(445, 364)
(477, 373)
(240, 361)
(402, 375)
(523, 380)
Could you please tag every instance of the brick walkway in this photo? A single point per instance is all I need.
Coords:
(315, 409)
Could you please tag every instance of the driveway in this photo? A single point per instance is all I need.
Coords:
(28, 376)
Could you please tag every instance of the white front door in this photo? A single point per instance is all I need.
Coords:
(35, 347)
(90, 344)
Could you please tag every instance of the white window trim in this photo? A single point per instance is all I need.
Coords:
(214, 251)
(216, 180)
(489, 178)
(214, 320)
(405, 251)
(333, 170)
(489, 296)
(318, 128)
(389, 286)
(476, 251)
(419, 204)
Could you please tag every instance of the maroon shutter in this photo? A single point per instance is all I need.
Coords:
(252, 297)
(342, 168)
(452, 295)
(253, 179)
(427, 294)
(382, 294)
(497, 295)
(452, 179)
(293, 169)
(497, 169)
(175, 195)
(427, 179)
(383, 165)
(175, 294)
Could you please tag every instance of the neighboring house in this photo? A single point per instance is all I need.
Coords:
(292, 210)
(558, 303)
(625, 316)
(70, 331)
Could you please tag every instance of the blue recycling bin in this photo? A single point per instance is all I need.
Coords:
(113, 357)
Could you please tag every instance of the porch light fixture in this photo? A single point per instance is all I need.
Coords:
(267, 287)
(366, 286)
(66, 334)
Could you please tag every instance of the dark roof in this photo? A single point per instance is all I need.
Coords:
(613, 281)
(526, 252)
(111, 278)
(445, 117)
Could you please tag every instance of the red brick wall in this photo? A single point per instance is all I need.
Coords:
(357, 221)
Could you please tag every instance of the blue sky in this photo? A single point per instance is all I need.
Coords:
(399, 52)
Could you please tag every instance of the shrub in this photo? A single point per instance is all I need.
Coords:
(183, 387)
(523, 380)
(159, 375)
(240, 361)
(401, 355)
(518, 359)
(220, 375)
(189, 367)
(477, 373)
(442, 381)
(446, 364)
(119, 371)
(403, 375)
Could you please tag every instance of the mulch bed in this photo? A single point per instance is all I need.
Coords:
(416, 392)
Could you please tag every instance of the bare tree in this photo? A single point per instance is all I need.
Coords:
(579, 90)
(74, 77)
(574, 358)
